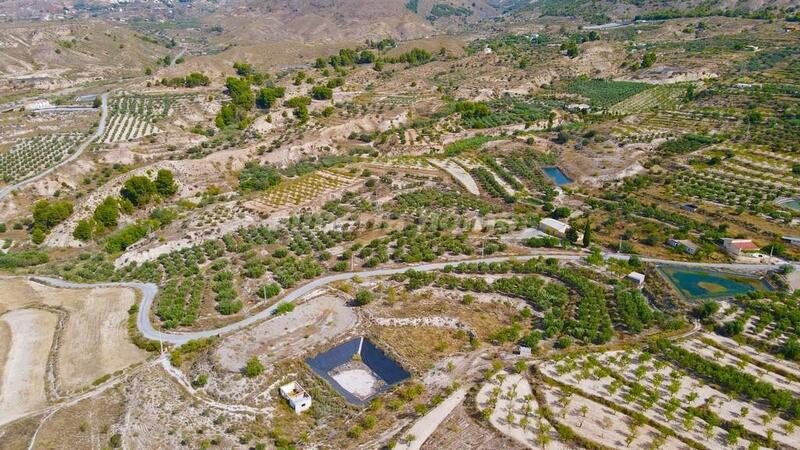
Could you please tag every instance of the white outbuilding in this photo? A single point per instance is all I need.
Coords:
(636, 277)
(297, 397)
(553, 227)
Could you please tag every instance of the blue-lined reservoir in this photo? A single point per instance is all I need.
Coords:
(557, 175)
(693, 283)
(358, 370)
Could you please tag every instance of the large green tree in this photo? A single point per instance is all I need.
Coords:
(138, 190)
(165, 183)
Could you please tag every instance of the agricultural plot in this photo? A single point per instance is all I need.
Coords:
(604, 93)
(90, 327)
(595, 422)
(731, 187)
(33, 155)
(668, 388)
(133, 117)
(301, 190)
(663, 96)
(508, 403)
(679, 122)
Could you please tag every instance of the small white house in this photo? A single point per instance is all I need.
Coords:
(736, 247)
(636, 277)
(553, 227)
(487, 51)
(297, 397)
(38, 104)
(525, 352)
(582, 107)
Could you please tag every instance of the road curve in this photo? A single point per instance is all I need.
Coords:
(6, 191)
(149, 291)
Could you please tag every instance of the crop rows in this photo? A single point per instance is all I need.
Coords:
(132, 117)
(728, 189)
(662, 97)
(126, 127)
(32, 155)
(303, 189)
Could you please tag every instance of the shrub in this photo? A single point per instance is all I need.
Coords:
(253, 368)
(283, 308)
(363, 297)
(269, 290)
(255, 177)
(321, 93)
(12, 260)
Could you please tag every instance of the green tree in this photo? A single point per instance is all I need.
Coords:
(165, 183)
(83, 231)
(648, 59)
(107, 212)
(587, 233)
(37, 236)
(138, 190)
(255, 177)
(47, 214)
(240, 92)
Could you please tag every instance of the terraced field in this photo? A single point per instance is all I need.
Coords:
(301, 190)
(134, 117)
(32, 155)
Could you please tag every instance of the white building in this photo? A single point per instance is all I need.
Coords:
(298, 398)
(38, 104)
(736, 247)
(553, 227)
(636, 277)
(487, 51)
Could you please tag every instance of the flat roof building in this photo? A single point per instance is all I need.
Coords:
(297, 397)
(553, 227)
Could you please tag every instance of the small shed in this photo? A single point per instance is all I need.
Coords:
(553, 227)
(636, 277)
(525, 352)
(297, 397)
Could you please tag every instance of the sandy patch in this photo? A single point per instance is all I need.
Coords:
(23, 388)
(94, 340)
(312, 323)
(359, 381)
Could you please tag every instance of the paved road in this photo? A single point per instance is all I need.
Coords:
(6, 191)
(149, 291)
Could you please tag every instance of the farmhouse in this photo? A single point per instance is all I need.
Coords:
(686, 245)
(553, 227)
(487, 51)
(736, 247)
(298, 399)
